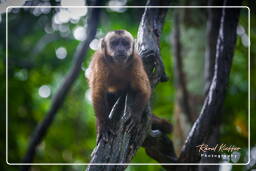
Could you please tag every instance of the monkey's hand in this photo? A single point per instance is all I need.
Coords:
(133, 121)
(105, 132)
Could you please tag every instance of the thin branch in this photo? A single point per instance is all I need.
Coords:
(180, 78)
(41, 129)
(211, 109)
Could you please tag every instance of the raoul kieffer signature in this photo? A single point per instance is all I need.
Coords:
(217, 148)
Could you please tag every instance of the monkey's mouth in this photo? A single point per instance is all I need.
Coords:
(121, 58)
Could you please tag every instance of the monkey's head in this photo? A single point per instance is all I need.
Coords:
(118, 45)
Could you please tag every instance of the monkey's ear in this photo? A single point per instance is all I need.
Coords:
(134, 46)
(102, 45)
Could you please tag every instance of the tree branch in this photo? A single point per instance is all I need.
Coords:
(148, 41)
(180, 77)
(213, 26)
(58, 99)
(121, 147)
(158, 146)
(211, 109)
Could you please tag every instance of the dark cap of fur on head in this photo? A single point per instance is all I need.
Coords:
(119, 32)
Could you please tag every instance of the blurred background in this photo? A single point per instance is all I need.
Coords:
(41, 45)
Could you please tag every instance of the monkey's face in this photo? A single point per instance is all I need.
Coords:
(118, 45)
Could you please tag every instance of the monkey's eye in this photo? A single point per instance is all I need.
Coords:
(114, 43)
(125, 43)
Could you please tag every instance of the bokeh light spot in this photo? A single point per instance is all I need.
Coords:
(44, 91)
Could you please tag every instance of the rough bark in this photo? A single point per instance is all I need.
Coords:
(121, 147)
(58, 99)
(157, 144)
(148, 41)
(210, 112)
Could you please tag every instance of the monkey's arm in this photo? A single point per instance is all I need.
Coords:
(101, 108)
(140, 85)
(100, 105)
(99, 97)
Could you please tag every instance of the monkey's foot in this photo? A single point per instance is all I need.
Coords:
(105, 134)
(131, 122)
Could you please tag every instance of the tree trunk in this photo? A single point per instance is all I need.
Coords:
(123, 146)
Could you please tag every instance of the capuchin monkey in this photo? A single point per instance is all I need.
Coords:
(115, 69)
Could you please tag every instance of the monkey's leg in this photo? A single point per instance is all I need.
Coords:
(100, 104)
(104, 130)
(137, 108)
(111, 100)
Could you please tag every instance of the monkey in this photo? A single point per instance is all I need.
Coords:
(160, 124)
(116, 68)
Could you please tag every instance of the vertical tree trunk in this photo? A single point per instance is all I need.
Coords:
(121, 147)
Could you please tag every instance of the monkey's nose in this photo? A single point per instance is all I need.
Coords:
(121, 51)
(121, 54)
